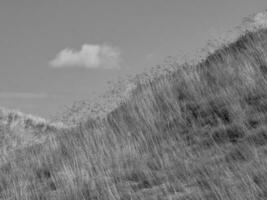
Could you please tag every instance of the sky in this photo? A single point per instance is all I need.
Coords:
(54, 52)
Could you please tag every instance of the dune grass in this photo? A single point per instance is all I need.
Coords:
(198, 132)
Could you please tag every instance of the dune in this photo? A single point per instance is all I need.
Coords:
(185, 131)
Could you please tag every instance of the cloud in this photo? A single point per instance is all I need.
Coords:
(261, 18)
(22, 95)
(90, 56)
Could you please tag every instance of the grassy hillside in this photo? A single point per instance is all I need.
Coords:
(18, 130)
(195, 132)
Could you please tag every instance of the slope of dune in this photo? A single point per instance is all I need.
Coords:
(120, 90)
(19, 130)
(193, 131)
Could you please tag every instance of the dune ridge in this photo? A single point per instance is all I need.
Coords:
(190, 131)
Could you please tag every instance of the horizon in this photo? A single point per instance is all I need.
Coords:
(56, 52)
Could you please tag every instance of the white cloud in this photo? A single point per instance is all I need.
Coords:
(261, 18)
(90, 56)
(22, 95)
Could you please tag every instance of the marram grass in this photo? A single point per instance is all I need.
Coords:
(198, 132)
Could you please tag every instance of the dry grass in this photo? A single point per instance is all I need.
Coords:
(18, 130)
(196, 133)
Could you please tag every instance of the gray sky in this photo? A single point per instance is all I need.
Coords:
(53, 52)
